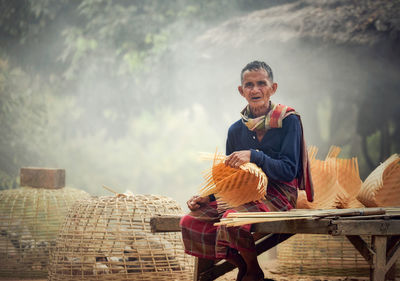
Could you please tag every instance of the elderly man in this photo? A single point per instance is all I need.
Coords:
(270, 136)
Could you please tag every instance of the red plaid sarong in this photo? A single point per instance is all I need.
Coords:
(202, 239)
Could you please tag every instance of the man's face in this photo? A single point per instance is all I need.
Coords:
(257, 89)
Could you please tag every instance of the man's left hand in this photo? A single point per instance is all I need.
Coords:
(238, 158)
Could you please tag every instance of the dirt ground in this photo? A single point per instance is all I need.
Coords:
(269, 267)
(270, 271)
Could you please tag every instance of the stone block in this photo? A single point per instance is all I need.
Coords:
(42, 177)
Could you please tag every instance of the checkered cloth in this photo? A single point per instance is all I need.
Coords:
(202, 239)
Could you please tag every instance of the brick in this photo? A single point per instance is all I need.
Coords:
(42, 177)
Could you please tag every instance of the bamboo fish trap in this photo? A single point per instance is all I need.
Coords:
(109, 238)
(234, 186)
(30, 218)
(382, 186)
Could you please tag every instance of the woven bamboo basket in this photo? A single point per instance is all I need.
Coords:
(321, 255)
(109, 238)
(336, 182)
(232, 186)
(382, 187)
(30, 218)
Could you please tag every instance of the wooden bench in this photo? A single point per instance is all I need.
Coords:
(381, 255)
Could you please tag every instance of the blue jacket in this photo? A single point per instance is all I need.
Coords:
(278, 153)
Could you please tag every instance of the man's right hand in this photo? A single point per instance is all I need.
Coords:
(196, 202)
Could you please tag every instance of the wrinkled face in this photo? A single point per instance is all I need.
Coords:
(257, 90)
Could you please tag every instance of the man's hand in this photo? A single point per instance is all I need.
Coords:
(196, 202)
(238, 158)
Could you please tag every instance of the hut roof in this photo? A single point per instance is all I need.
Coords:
(354, 22)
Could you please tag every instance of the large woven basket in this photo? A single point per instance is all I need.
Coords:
(382, 187)
(109, 238)
(30, 218)
(321, 255)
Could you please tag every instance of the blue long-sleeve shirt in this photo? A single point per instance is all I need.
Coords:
(278, 153)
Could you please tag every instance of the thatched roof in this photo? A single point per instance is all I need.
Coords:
(359, 22)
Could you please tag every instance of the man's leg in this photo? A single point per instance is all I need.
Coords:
(253, 269)
(237, 260)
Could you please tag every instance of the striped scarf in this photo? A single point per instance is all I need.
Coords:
(273, 119)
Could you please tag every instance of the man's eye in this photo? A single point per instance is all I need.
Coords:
(248, 85)
(262, 83)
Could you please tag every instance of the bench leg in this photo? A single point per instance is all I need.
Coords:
(201, 265)
(379, 263)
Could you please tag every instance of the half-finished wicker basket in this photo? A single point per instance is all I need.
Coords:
(109, 238)
(234, 186)
(30, 218)
(336, 182)
(382, 187)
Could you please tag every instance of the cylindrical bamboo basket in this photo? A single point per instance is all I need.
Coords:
(109, 238)
(30, 218)
(321, 255)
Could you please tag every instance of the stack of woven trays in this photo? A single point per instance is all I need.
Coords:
(337, 185)
(109, 238)
(30, 217)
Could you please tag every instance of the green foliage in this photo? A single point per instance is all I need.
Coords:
(21, 121)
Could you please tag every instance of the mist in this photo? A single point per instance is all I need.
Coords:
(137, 120)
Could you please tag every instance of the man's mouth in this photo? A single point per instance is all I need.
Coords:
(255, 98)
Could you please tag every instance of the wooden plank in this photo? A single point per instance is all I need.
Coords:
(362, 247)
(366, 227)
(307, 226)
(270, 241)
(379, 267)
(393, 253)
(165, 223)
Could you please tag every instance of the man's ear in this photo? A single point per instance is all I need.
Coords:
(240, 89)
(274, 87)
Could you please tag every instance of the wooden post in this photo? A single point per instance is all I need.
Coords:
(42, 177)
(379, 267)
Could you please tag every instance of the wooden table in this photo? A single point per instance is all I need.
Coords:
(381, 254)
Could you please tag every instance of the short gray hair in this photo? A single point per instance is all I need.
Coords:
(257, 65)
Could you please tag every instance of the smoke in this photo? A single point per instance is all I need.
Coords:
(142, 130)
